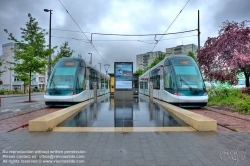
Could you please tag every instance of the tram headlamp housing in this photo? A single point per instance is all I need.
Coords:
(69, 94)
(205, 94)
(179, 94)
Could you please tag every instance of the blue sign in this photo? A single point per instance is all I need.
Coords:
(123, 75)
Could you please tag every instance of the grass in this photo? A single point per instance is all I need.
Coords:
(230, 97)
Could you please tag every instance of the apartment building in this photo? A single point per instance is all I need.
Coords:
(9, 79)
(182, 49)
(144, 60)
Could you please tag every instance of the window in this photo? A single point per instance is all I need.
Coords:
(93, 77)
(188, 76)
(155, 78)
(16, 79)
(145, 85)
(63, 78)
(141, 85)
(168, 80)
(81, 81)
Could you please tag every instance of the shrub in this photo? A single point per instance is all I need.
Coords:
(242, 106)
(232, 97)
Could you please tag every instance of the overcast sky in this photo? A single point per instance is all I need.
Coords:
(121, 17)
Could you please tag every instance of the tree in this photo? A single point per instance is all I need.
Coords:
(160, 57)
(64, 52)
(1, 64)
(224, 57)
(31, 53)
(25, 78)
(156, 61)
(139, 72)
(191, 54)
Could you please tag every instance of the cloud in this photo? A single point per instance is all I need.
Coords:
(123, 17)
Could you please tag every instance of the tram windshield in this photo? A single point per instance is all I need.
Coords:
(187, 74)
(63, 76)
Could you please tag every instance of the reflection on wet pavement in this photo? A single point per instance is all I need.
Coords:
(110, 113)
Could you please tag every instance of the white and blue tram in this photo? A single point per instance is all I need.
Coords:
(71, 82)
(176, 80)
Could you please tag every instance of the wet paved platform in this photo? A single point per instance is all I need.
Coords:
(137, 113)
(126, 149)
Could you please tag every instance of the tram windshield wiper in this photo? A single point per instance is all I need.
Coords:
(190, 87)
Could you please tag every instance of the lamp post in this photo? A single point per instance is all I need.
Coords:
(90, 58)
(100, 66)
(49, 67)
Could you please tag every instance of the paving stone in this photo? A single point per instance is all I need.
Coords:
(117, 162)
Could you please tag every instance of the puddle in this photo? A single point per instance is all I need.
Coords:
(111, 113)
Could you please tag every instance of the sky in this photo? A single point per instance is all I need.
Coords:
(120, 17)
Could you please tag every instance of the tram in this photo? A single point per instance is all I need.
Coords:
(71, 82)
(176, 80)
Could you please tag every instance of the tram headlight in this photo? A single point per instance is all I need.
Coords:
(178, 94)
(205, 94)
(181, 94)
(69, 94)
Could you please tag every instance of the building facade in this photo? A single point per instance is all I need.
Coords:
(144, 60)
(182, 49)
(9, 79)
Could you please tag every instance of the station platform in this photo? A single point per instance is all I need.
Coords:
(123, 147)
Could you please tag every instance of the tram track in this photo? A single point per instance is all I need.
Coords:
(15, 121)
(214, 110)
(11, 115)
(225, 120)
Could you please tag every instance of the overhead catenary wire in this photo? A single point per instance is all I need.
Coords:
(68, 30)
(170, 25)
(114, 34)
(144, 41)
(110, 34)
(82, 31)
(82, 40)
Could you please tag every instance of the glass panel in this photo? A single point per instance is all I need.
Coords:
(155, 78)
(63, 78)
(81, 81)
(168, 81)
(188, 76)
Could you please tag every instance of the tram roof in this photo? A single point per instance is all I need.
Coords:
(87, 64)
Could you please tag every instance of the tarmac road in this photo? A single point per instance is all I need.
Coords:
(16, 103)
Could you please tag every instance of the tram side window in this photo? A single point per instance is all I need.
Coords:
(81, 81)
(168, 81)
(155, 78)
(93, 77)
(107, 84)
(141, 85)
(145, 85)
